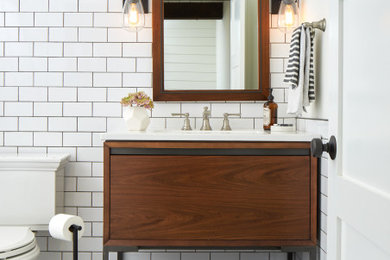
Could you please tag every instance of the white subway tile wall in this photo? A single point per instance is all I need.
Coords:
(53, 79)
(64, 67)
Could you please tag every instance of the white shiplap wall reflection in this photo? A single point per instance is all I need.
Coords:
(190, 50)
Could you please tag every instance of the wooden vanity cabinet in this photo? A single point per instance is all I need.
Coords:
(209, 195)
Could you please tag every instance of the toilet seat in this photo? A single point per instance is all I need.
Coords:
(18, 243)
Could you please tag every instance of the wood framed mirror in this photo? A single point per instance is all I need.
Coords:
(214, 50)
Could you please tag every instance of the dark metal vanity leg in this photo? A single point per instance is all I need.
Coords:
(120, 256)
(313, 253)
(105, 254)
(292, 251)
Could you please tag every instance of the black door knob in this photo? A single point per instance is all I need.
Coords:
(317, 147)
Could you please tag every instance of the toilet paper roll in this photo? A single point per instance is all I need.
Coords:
(59, 226)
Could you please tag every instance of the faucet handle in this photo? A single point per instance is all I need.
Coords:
(226, 125)
(226, 115)
(187, 123)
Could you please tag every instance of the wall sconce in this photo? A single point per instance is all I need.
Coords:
(288, 14)
(134, 14)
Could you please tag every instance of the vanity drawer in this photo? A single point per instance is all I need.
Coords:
(173, 200)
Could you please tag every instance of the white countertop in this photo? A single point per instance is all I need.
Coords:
(235, 135)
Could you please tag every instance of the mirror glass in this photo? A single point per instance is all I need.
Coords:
(211, 45)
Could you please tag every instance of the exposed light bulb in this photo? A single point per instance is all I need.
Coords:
(288, 17)
(133, 15)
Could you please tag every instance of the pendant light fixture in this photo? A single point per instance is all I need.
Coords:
(288, 16)
(133, 15)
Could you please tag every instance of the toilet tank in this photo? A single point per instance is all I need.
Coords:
(31, 189)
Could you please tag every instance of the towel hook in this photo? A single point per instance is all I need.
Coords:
(321, 25)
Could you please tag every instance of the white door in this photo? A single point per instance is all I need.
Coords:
(359, 178)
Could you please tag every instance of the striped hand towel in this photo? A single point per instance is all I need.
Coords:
(309, 65)
(300, 70)
(292, 73)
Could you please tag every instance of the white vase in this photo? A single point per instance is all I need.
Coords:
(136, 118)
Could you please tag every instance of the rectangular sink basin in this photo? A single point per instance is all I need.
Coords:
(197, 135)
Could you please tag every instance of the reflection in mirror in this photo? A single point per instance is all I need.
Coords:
(211, 45)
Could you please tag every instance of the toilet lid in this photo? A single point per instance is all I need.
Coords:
(12, 238)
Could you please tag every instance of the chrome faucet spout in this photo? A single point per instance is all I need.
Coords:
(206, 122)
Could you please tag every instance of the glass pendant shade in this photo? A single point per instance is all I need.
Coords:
(133, 15)
(288, 17)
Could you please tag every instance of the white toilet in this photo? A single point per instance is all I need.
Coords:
(31, 192)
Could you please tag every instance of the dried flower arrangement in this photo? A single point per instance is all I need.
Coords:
(139, 99)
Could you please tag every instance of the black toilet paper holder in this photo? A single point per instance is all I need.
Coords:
(75, 230)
